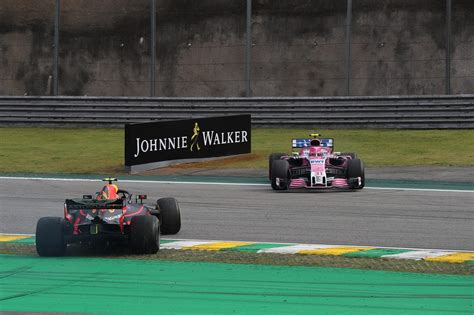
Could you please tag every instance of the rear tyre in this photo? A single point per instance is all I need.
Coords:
(145, 234)
(280, 175)
(50, 237)
(355, 168)
(271, 158)
(170, 215)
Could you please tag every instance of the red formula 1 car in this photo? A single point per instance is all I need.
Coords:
(316, 166)
(112, 215)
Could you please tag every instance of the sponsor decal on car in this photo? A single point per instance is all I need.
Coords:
(112, 218)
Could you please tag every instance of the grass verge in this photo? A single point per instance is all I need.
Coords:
(260, 259)
(101, 151)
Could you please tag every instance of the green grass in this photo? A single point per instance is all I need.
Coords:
(89, 151)
(380, 147)
(44, 150)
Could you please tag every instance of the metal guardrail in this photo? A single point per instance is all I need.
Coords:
(416, 112)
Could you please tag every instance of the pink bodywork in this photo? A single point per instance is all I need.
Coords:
(318, 157)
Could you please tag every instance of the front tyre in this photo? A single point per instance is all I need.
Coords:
(145, 234)
(271, 158)
(280, 175)
(355, 168)
(50, 237)
(170, 215)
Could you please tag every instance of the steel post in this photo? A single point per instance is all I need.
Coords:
(152, 46)
(56, 48)
(248, 48)
(448, 47)
(348, 47)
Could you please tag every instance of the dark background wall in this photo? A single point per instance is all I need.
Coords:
(399, 47)
(25, 46)
(298, 47)
(462, 49)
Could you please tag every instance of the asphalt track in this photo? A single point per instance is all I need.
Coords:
(437, 219)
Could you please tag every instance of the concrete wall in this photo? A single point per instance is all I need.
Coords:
(25, 46)
(298, 47)
(399, 47)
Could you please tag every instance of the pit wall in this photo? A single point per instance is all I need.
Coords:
(298, 48)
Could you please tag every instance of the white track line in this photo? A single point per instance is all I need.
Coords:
(217, 183)
(133, 181)
(420, 189)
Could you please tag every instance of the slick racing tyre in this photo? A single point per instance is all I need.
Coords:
(280, 175)
(355, 168)
(50, 237)
(145, 234)
(271, 158)
(170, 215)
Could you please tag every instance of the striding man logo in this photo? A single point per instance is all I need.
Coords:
(195, 137)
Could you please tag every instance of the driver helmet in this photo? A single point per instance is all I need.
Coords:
(315, 142)
(109, 192)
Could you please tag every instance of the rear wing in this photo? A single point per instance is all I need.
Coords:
(72, 204)
(303, 143)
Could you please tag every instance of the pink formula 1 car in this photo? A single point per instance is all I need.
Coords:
(316, 166)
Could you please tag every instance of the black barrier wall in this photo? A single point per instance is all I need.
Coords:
(187, 139)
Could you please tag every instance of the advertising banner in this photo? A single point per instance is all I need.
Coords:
(198, 138)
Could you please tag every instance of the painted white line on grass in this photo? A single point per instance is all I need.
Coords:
(218, 183)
